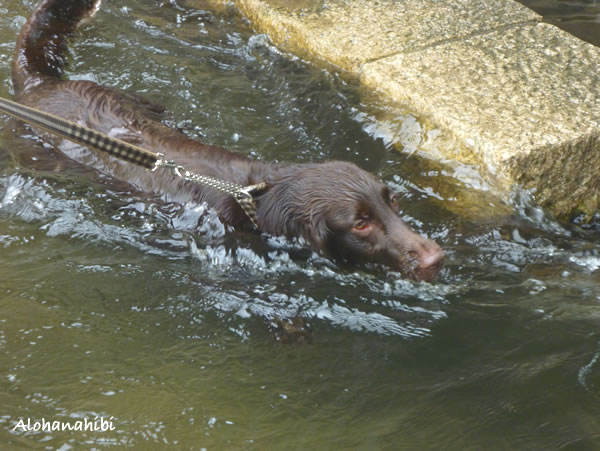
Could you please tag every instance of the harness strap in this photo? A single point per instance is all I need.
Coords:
(129, 152)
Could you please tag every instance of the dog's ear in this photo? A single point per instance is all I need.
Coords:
(319, 234)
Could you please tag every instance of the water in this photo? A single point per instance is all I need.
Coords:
(578, 17)
(115, 305)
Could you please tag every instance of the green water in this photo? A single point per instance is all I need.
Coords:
(115, 305)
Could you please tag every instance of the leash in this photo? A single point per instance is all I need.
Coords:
(130, 152)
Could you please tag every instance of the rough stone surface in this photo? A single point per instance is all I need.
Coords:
(346, 34)
(524, 101)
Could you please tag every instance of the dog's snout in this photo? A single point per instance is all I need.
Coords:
(433, 257)
(430, 260)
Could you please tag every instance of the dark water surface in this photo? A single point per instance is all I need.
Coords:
(578, 17)
(115, 305)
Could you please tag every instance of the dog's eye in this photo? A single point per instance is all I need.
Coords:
(361, 224)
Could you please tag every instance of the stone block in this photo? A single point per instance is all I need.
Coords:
(524, 102)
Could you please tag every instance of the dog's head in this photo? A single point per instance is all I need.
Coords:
(346, 213)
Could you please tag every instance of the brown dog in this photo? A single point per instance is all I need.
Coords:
(339, 209)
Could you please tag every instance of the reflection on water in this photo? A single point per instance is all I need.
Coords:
(118, 305)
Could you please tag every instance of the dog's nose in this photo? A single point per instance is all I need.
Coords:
(430, 261)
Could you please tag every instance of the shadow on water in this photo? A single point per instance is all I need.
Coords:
(114, 303)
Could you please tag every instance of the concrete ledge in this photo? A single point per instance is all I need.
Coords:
(524, 101)
(521, 98)
(347, 34)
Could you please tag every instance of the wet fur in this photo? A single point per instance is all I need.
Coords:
(320, 202)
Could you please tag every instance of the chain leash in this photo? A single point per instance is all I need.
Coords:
(130, 152)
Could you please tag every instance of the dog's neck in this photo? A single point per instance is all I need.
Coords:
(286, 205)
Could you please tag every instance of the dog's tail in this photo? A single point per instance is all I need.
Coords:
(42, 43)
